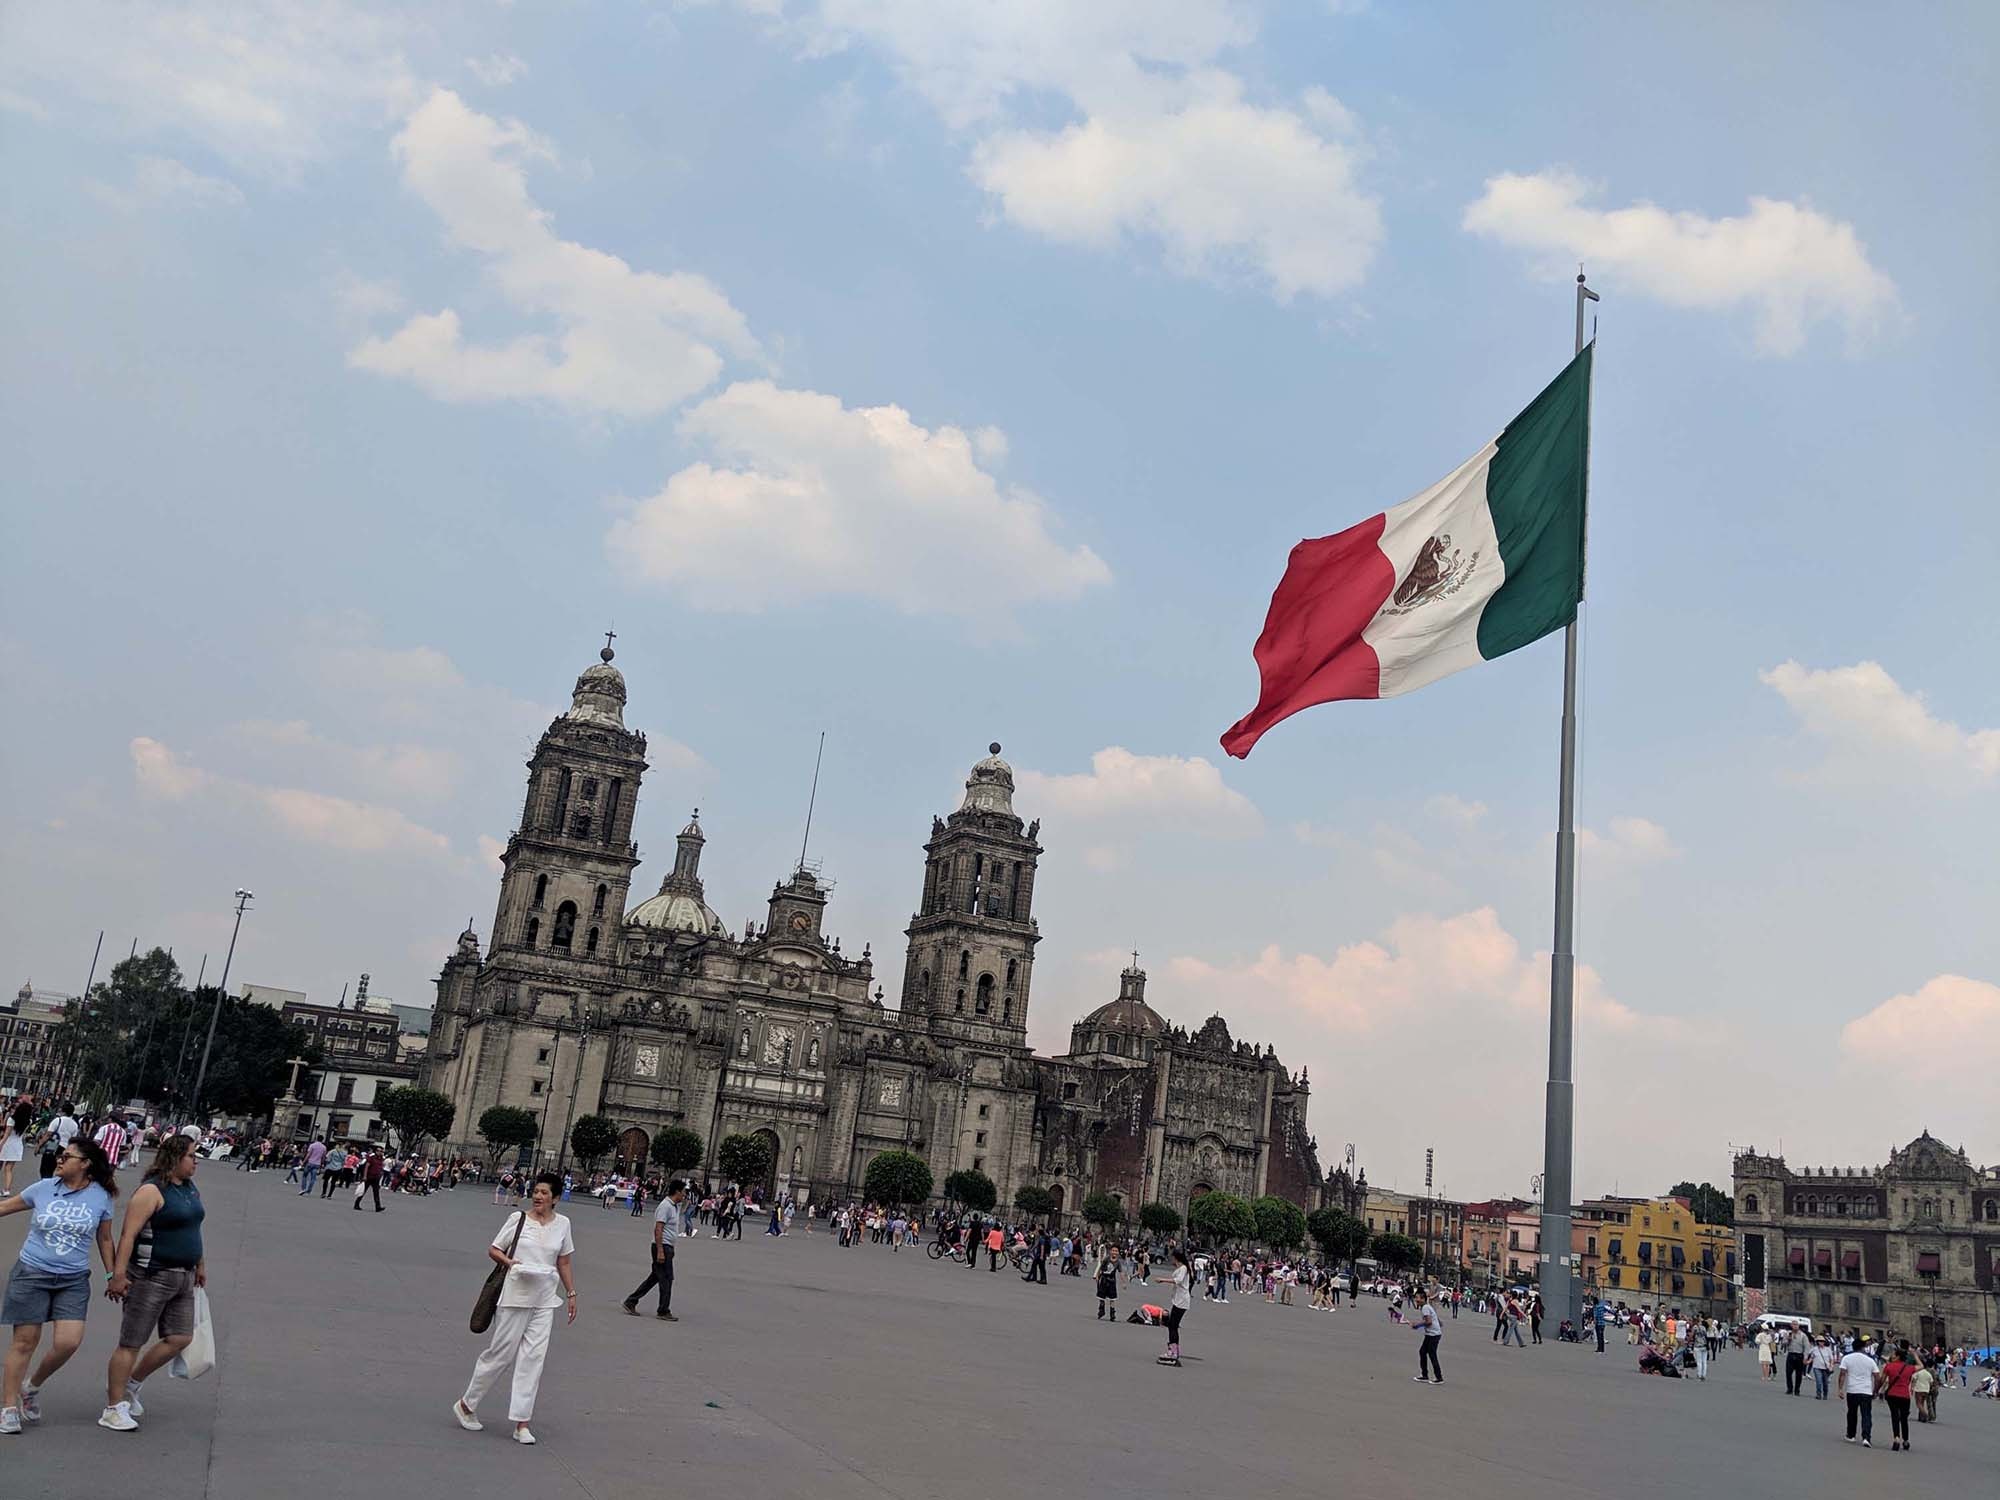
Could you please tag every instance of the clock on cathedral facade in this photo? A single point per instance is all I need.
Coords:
(656, 1014)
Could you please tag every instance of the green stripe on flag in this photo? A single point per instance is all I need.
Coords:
(1535, 491)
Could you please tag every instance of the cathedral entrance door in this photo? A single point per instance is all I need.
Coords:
(632, 1146)
(770, 1183)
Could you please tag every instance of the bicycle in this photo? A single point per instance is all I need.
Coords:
(938, 1250)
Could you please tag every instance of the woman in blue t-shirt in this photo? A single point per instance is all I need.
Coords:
(50, 1283)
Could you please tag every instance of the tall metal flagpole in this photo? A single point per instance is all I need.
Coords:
(1558, 1278)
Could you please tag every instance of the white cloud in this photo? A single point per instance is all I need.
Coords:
(1452, 1008)
(1159, 143)
(266, 85)
(1862, 710)
(402, 769)
(161, 773)
(314, 817)
(350, 826)
(1942, 1039)
(498, 70)
(1157, 790)
(161, 179)
(1448, 807)
(627, 342)
(1225, 187)
(810, 498)
(490, 850)
(20, 104)
(1787, 262)
(1625, 843)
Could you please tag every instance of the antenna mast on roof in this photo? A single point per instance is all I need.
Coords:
(812, 800)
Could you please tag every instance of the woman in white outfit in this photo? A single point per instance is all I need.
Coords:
(538, 1282)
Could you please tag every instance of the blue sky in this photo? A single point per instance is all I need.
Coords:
(932, 374)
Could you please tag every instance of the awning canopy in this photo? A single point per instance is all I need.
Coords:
(1822, 1256)
(1798, 1256)
(1927, 1263)
(1850, 1259)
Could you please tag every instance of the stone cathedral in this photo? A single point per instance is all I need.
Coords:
(654, 1013)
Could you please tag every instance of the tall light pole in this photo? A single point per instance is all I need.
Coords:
(243, 899)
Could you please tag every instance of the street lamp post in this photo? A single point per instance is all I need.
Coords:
(243, 899)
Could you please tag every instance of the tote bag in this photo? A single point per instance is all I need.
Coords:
(198, 1358)
(489, 1295)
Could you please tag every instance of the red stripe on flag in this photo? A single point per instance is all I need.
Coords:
(1311, 650)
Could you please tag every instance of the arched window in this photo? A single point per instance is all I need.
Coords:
(1840, 1207)
(959, 1006)
(565, 928)
(534, 930)
(964, 964)
(1007, 1010)
(924, 983)
(1114, 1044)
(597, 906)
(983, 1000)
(590, 941)
(1012, 966)
(1749, 1203)
(1992, 1211)
(541, 888)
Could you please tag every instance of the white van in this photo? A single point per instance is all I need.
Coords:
(1776, 1321)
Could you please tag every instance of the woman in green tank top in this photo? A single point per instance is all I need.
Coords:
(159, 1266)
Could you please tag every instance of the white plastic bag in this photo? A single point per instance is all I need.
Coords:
(198, 1358)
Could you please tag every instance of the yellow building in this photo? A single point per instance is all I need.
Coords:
(1654, 1254)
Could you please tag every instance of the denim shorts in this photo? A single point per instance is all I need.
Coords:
(45, 1296)
(163, 1299)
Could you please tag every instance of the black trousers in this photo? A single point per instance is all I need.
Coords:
(1038, 1270)
(374, 1187)
(1427, 1357)
(1899, 1417)
(1600, 1338)
(1864, 1408)
(1795, 1374)
(1174, 1316)
(660, 1274)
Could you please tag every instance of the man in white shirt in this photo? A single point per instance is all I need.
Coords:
(56, 1136)
(667, 1228)
(1428, 1372)
(1857, 1383)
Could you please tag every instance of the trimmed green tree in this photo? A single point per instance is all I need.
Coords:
(897, 1177)
(1159, 1218)
(745, 1159)
(1710, 1203)
(1221, 1217)
(1035, 1201)
(416, 1115)
(592, 1138)
(1397, 1251)
(504, 1126)
(972, 1188)
(1103, 1210)
(1281, 1224)
(1340, 1236)
(676, 1149)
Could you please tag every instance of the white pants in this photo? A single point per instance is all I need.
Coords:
(1700, 1347)
(520, 1338)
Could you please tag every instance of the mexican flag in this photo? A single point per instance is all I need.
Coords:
(1483, 562)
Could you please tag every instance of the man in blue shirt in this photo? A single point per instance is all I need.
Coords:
(1599, 1315)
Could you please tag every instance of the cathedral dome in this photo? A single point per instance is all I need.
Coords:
(675, 911)
(990, 787)
(599, 695)
(1129, 1014)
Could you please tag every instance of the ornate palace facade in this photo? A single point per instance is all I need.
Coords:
(656, 1014)
(1910, 1249)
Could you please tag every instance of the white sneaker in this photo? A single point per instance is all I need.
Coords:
(132, 1399)
(118, 1418)
(465, 1417)
(522, 1435)
(10, 1420)
(31, 1405)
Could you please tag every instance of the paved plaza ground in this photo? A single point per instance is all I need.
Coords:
(800, 1369)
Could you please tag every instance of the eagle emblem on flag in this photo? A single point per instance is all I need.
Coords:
(1434, 575)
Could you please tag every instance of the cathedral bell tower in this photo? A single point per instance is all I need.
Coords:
(972, 939)
(569, 864)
